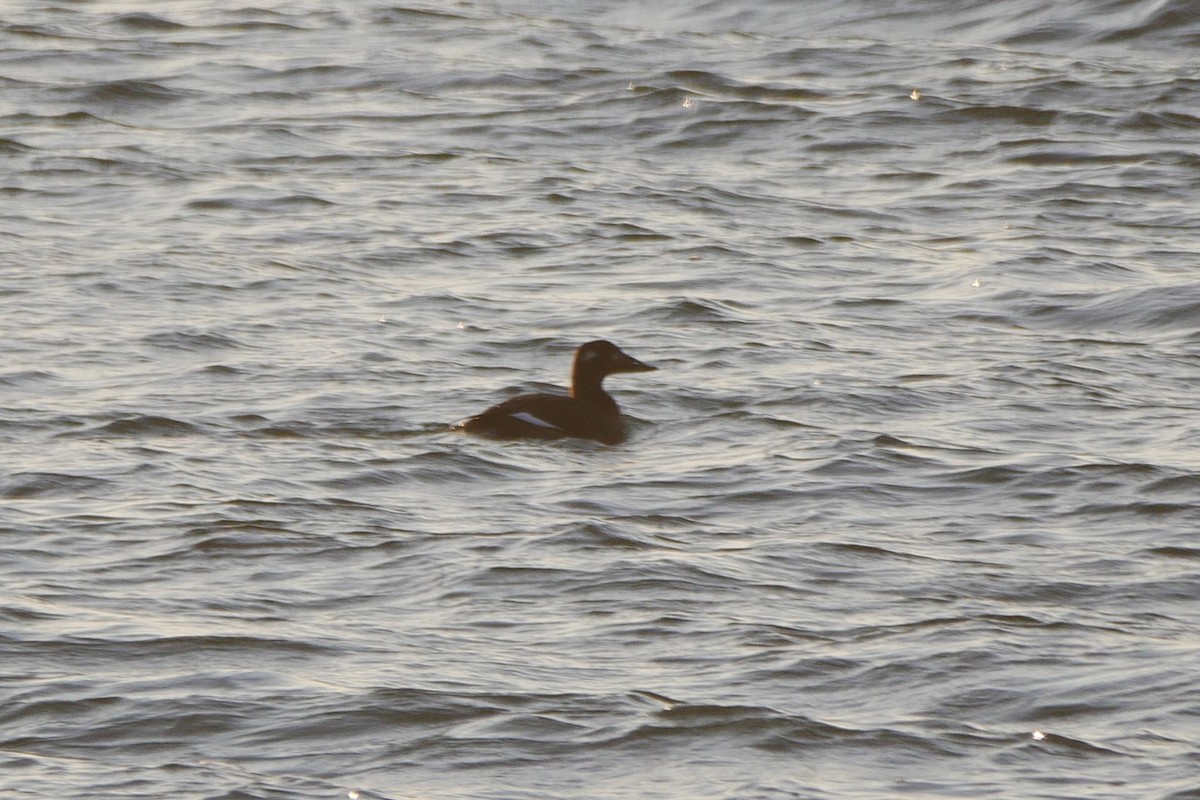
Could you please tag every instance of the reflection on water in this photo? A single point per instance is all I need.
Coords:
(908, 505)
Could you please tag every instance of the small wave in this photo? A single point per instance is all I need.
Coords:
(146, 425)
(406, 15)
(598, 535)
(1017, 115)
(222, 370)
(13, 147)
(1181, 553)
(282, 203)
(1109, 511)
(25, 377)
(281, 430)
(694, 310)
(24, 485)
(143, 22)
(716, 85)
(1056, 157)
(190, 341)
(1159, 309)
(1186, 485)
(1173, 22)
(128, 93)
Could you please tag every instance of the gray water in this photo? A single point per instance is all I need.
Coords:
(909, 509)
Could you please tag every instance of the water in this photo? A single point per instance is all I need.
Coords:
(909, 509)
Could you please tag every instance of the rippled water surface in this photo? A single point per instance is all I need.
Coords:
(909, 509)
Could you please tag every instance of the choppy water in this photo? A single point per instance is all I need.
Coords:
(909, 510)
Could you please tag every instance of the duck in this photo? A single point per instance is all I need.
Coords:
(587, 412)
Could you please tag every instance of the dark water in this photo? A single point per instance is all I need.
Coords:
(909, 510)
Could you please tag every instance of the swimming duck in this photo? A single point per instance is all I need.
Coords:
(587, 413)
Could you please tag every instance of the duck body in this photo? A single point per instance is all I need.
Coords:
(588, 412)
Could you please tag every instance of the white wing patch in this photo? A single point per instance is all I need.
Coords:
(525, 416)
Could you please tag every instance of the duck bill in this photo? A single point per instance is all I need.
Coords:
(630, 364)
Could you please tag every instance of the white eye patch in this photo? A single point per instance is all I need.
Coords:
(525, 416)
